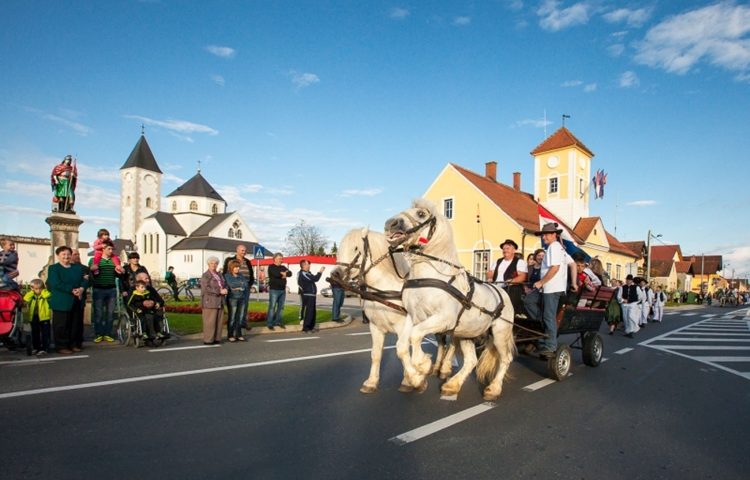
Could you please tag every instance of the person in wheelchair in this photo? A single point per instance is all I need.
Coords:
(148, 308)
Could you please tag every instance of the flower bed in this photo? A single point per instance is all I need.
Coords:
(251, 316)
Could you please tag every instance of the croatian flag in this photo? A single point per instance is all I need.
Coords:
(599, 180)
(545, 216)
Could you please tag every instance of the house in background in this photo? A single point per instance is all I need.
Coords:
(705, 269)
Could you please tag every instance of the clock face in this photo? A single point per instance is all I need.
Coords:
(128, 177)
(582, 163)
(553, 162)
(149, 179)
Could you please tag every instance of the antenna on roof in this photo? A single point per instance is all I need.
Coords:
(199, 166)
(143, 130)
(564, 116)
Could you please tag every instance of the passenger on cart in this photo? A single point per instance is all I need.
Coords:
(551, 287)
(511, 271)
(586, 277)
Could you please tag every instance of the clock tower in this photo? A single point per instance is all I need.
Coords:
(140, 189)
(562, 174)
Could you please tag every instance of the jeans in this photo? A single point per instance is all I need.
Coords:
(276, 300)
(338, 300)
(550, 302)
(236, 307)
(104, 307)
(245, 306)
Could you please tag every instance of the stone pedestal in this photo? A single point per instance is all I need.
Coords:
(63, 228)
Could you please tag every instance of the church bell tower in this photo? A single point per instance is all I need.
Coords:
(140, 188)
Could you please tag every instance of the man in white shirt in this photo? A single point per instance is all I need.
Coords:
(553, 284)
(511, 271)
(660, 298)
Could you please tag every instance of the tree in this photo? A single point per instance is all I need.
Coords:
(334, 249)
(304, 239)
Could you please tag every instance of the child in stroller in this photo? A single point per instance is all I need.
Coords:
(12, 334)
(146, 305)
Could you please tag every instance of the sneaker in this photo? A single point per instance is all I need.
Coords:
(98, 339)
(41, 353)
(108, 339)
(35, 352)
(271, 327)
(282, 326)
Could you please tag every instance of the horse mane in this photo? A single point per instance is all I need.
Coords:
(441, 245)
(378, 247)
(426, 204)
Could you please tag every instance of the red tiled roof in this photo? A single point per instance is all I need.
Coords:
(584, 226)
(683, 267)
(660, 268)
(520, 206)
(560, 139)
(665, 252)
(636, 247)
(619, 247)
(705, 264)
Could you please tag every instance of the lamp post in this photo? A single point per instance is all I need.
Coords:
(648, 255)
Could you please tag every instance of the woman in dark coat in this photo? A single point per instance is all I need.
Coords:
(66, 283)
(213, 290)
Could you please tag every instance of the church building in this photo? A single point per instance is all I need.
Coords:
(195, 226)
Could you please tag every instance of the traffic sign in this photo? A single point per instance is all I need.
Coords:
(258, 252)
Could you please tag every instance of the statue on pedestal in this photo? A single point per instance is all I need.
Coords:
(64, 179)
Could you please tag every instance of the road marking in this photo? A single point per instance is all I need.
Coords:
(699, 333)
(689, 314)
(604, 359)
(291, 339)
(709, 339)
(358, 333)
(442, 424)
(623, 351)
(159, 376)
(723, 359)
(174, 349)
(702, 347)
(670, 313)
(537, 385)
(709, 315)
(433, 342)
(41, 360)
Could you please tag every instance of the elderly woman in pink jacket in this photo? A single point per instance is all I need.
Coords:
(213, 291)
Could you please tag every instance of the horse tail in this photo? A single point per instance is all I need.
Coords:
(489, 362)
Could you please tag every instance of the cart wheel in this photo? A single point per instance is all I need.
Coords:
(593, 349)
(559, 365)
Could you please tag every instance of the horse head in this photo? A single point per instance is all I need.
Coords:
(361, 251)
(421, 226)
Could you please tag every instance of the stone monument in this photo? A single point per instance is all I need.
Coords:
(64, 222)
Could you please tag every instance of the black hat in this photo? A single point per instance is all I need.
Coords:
(133, 255)
(629, 277)
(509, 242)
(551, 227)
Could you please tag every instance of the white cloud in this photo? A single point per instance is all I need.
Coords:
(641, 203)
(90, 196)
(633, 18)
(27, 211)
(90, 172)
(619, 34)
(716, 34)
(398, 13)
(364, 192)
(629, 79)
(68, 119)
(302, 80)
(554, 18)
(591, 87)
(571, 83)
(218, 80)
(616, 49)
(179, 126)
(514, 5)
(220, 51)
(168, 177)
(533, 122)
(30, 189)
(462, 21)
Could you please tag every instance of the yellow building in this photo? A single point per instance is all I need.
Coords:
(484, 212)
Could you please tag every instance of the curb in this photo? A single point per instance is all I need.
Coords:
(290, 328)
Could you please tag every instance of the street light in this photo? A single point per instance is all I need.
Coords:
(648, 255)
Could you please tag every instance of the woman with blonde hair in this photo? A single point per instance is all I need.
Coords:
(213, 290)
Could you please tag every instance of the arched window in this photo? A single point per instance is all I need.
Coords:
(148, 202)
(127, 202)
(238, 233)
(174, 206)
(230, 233)
(214, 209)
(193, 206)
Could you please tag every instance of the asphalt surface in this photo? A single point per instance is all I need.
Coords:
(673, 406)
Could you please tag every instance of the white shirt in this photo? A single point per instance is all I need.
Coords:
(555, 255)
(592, 277)
(521, 266)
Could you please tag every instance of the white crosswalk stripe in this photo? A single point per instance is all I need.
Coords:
(718, 341)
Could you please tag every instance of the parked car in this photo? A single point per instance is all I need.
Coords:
(328, 292)
(254, 287)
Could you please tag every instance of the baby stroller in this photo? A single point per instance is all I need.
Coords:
(12, 333)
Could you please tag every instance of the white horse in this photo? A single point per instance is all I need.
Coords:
(441, 297)
(364, 256)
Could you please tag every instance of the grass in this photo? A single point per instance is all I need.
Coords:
(189, 323)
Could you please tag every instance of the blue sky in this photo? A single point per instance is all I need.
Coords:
(340, 113)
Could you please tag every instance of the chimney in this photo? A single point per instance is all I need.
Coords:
(490, 171)
(517, 181)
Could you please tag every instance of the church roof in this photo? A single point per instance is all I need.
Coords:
(560, 139)
(197, 187)
(210, 224)
(142, 157)
(168, 223)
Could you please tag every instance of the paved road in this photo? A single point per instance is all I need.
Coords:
(291, 408)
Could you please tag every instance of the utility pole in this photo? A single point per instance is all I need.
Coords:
(648, 258)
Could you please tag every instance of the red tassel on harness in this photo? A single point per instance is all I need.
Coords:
(423, 240)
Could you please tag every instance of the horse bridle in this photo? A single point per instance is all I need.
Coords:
(363, 268)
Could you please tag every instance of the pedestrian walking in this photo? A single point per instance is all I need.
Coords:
(660, 298)
(630, 297)
(308, 291)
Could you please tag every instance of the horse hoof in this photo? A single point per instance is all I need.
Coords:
(490, 397)
(422, 387)
(405, 388)
(449, 391)
(445, 375)
(368, 389)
